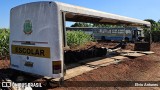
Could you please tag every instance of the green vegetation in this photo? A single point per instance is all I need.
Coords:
(76, 38)
(155, 31)
(4, 43)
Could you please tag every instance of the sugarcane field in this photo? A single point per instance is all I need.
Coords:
(50, 45)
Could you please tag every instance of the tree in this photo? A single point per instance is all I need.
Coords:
(154, 25)
(81, 24)
(158, 24)
(155, 30)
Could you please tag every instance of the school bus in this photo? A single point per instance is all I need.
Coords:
(38, 34)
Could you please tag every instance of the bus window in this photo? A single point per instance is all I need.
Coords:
(108, 31)
(121, 31)
(128, 31)
(139, 33)
(114, 31)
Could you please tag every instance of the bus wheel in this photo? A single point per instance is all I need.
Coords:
(53, 83)
(103, 38)
(126, 39)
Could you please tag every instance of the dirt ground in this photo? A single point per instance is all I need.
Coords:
(145, 68)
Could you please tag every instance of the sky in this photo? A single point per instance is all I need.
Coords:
(140, 9)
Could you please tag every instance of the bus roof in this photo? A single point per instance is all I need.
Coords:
(81, 14)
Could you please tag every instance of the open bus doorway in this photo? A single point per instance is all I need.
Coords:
(138, 35)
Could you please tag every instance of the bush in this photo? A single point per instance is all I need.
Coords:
(146, 35)
(76, 38)
(155, 35)
(4, 43)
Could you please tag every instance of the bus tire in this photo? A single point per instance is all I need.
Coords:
(126, 39)
(103, 38)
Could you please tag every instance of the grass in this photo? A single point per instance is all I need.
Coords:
(77, 38)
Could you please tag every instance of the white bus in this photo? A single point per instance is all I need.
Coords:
(131, 34)
(37, 35)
